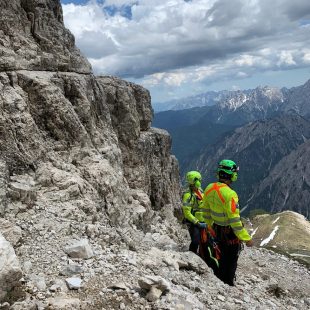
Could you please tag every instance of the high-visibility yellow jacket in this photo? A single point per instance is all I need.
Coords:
(221, 205)
(191, 206)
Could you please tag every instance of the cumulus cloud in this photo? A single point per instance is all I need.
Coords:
(306, 56)
(286, 58)
(119, 2)
(174, 41)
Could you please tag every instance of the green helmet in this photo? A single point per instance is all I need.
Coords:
(194, 178)
(229, 168)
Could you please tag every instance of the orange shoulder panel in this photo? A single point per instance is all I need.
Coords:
(233, 205)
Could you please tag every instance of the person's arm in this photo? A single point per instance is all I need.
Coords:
(187, 205)
(233, 214)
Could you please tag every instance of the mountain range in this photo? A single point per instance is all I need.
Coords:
(205, 99)
(257, 148)
(262, 98)
(262, 130)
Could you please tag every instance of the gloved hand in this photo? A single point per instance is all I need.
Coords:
(249, 243)
(202, 225)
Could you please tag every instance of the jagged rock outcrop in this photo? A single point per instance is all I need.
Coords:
(77, 157)
(10, 270)
(10, 232)
(32, 37)
(145, 151)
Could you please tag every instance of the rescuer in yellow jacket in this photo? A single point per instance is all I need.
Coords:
(222, 213)
(193, 213)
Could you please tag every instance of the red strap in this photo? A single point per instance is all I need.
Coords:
(198, 193)
(203, 236)
(211, 231)
(216, 188)
(202, 243)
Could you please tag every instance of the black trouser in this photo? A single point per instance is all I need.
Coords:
(194, 232)
(230, 248)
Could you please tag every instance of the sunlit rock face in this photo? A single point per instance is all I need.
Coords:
(78, 158)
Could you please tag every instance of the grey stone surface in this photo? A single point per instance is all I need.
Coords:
(79, 249)
(38, 281)
(10, 271)
(153, 294)
(64, 303)
(33, 37)
(71, 269)
(11, 233)
(74, 283)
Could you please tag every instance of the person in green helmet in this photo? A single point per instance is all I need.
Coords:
(222, 213)
(191, 207)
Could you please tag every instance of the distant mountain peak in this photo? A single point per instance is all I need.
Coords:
(235, 101)
(260, 98)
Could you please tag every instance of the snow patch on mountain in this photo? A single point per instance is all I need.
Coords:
(254, 232)
(272, 235)
(276, 220)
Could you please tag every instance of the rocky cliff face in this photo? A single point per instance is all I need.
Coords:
(288, 182)
(32, 37)
(88, 190)
(76, 150)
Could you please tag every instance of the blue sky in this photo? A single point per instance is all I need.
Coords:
(178, 48)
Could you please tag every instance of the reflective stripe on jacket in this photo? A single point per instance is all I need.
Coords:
(221, 204)
(192, 207)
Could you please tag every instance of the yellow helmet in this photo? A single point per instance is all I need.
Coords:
(193, 178)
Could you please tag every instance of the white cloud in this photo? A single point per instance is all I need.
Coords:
(286, 58)
(170, 79)
(306, 56)
(203, 72)
(119, 2)
(175, 79)
(245, 60)
(174, 42)
(241, 74)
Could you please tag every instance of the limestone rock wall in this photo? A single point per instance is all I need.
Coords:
(10, 270)
(78, 158)
(81, 126)
(148, 163)
(33, 37)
